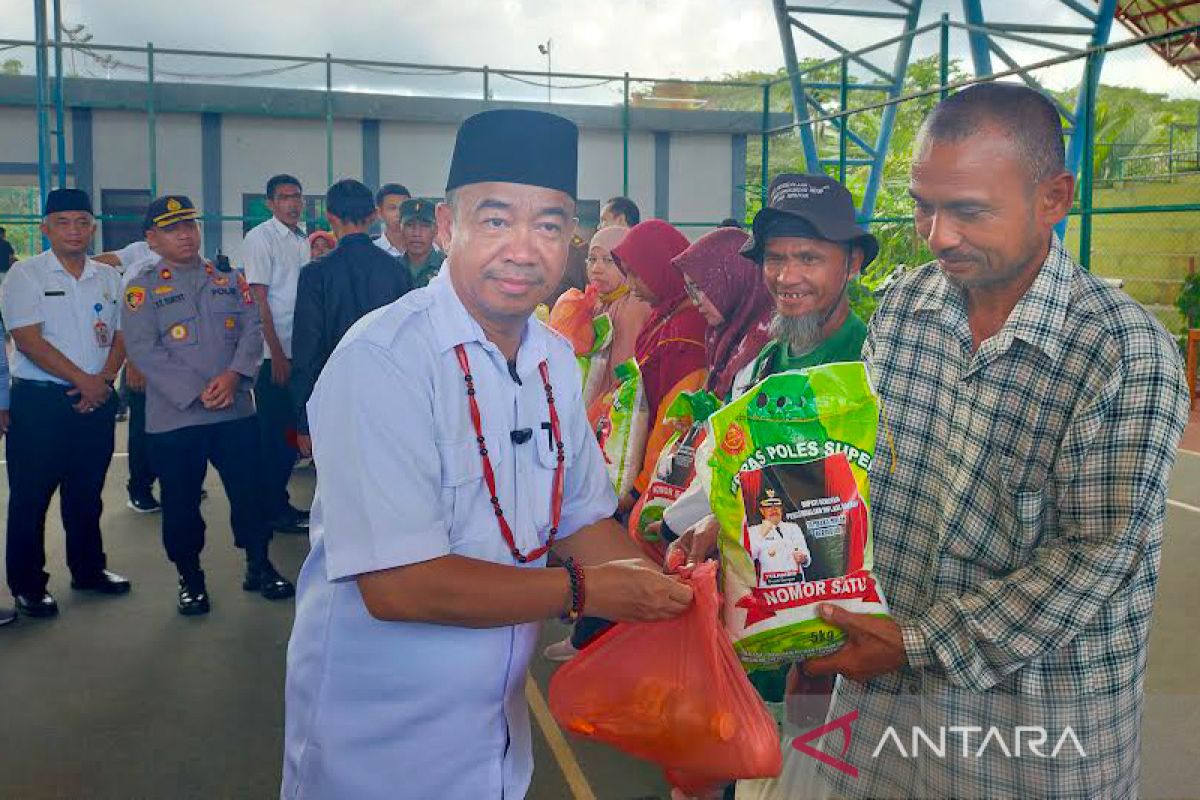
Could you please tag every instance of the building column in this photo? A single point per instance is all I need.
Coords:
(210, 181)
(662, 174)
(370, 153)
(737, 200)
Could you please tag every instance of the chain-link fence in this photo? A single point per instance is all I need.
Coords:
(1136, 219)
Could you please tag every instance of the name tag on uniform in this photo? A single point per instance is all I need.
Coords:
(55, 293)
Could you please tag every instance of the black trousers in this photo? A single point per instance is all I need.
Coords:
(181, 457)
(53, 447)
(276, 422)
(141, 471)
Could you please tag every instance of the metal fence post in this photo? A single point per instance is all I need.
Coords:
(843, 103)
(43, 117)
(328, 119)
(59, 114)
(1086, 177)
(487, 91)
(766, 142)
(151, 121)
(625, 138)
(944, 57)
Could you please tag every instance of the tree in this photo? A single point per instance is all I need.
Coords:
(12, 66)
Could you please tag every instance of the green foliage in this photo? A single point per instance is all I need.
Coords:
(1189, 301)
(11, 66)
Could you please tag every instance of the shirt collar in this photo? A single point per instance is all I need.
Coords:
(56, 265)
(1039, 316)
(453, 326)
(284, 230)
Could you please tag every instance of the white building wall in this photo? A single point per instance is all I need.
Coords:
(255, 148)
(701, 173)
(416, 155)
(601, 165)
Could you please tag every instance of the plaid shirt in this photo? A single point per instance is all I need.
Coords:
(1018, 526)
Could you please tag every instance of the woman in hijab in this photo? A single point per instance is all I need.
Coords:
(670, 346)
(627, 312)
(729, 291)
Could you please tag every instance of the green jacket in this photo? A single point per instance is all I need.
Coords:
(424, 273)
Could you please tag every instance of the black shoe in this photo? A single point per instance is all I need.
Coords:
(268, 582)
(7, 616)
(298, 513)
(292, 522)
(144, 504)
(40, 604)
(193, 596)
(103, 582)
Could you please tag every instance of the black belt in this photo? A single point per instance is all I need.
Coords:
(41, 384)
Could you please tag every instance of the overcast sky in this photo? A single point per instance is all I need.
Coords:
(660, 38)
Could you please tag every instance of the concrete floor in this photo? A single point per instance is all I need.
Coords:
(121, 698)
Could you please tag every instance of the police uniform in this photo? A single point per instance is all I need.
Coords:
(186, 324)
(51, 446)
(418, 210)
(377, 710)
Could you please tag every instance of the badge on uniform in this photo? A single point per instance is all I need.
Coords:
(230, 323)
(247, 298)
(178, 332)
(134, 297)
(164, 289)
(103, 333)
(165, 274)
(221, 280)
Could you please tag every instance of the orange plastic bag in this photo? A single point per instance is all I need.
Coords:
(673, 693)
(572, 317)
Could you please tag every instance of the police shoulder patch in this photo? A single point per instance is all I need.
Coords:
(135, 296)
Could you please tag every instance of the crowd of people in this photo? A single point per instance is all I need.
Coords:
(1032, 417)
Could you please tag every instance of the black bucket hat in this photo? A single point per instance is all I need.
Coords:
(815, 201)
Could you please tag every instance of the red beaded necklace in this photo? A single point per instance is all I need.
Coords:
(489, 475)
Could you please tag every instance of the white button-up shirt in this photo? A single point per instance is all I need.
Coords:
(39, 290)
(385, 244)
(272, 255)
(399, 709)
(134, 258)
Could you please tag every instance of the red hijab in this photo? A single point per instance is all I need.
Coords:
(670, 344)
(734, 285)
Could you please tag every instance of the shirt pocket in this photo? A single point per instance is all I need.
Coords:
(462, 486)
(177, 325)
(227, 314)
(544, 468)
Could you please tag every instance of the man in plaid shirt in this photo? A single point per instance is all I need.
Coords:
(1035, 414)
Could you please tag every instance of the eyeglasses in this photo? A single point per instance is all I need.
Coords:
(693, 292)
(593, 260)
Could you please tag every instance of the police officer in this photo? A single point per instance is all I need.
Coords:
(420, 258)
(194, 331)
(61, 308)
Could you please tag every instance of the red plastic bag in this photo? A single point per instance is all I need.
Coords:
(673, 693)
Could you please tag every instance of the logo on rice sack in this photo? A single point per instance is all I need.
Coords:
(790, 488)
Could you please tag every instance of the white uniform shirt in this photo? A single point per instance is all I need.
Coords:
(775, 548)
(134, 258)
(384, 244)
(40, 290)
(380, 710)
(272, 255)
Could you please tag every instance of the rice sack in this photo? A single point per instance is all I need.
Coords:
(789, 486)
(621, 427)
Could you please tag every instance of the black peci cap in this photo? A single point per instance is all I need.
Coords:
(516, 146)
(67, 200)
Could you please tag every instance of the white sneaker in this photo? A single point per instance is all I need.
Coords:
(560, 651)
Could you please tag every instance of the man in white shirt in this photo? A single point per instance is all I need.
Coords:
(777, 547)
(417, 607)
(388, 200)
(272, 255)
(62, 310)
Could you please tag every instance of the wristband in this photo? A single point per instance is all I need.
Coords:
(575, 574)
